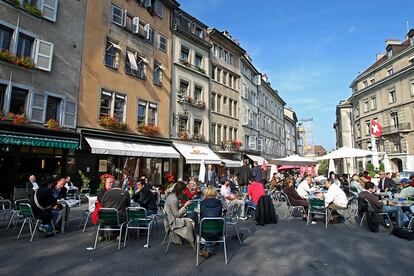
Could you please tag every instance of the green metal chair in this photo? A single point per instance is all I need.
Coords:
(233, 219)
(27, 212)
(137, 219)
(16, 213)
(317, 206)
(291, 207)
(211, 227)
(368, 208)
(109, 221)
(353, 190)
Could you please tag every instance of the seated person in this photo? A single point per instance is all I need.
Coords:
(357, 183)
(45, 207)
(210, 206)
(294, 198)
(190, 192)
(255, 191)
(407, 190)
(233, 202)
(145, 198)
(181, 226)
(58, 189)
(117, 198)
(69, 184)
(304, 187)
(335, 198)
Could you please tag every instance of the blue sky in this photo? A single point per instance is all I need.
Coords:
(310, 49)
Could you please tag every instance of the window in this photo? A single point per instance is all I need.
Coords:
(236, 134)
(219, 75)
(185, 53)
(162, 43)
(389, 53)
(152, 114)
(231, 59)
(24, 46)
(198, 32)
(197, 127)
(198, 93)
(213, 102)
(218, 103)
(231, 134)
(392, 97)
(225, 76)
(230, 107)
(129, 24)
(112, 104)
(231, 81)
(224, 133)
(372, 81)
(219, 134)
(367, 127)
(157, 73)
(224, 100)
(373, 103)
(158, 8)
(356, 111)
(390, 71)
(366, 106)
(183, 88)
(412, 87)
(135, 65)
(18, 101)
(142, 110)
(112, 54)
(365, 83)
(117, 15)
(3, 89)
(182, 123)
(235, 112)
(5, 37)
(213, 73)
(394, 119)
(213, 133)
(53, 108)
(198, 61)
(358, 130)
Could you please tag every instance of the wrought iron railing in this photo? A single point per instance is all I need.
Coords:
(397, 128)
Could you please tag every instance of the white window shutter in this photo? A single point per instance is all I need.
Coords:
(37, 108)
(69, 119)
(246, 115)
(135, 25)
(124, 17)
(148, 3)
(252, 142)
(49, 9)
(147, 29)
(43, 55)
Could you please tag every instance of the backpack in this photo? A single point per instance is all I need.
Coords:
(403, 233)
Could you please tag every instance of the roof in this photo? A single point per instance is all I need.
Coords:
(214, 31)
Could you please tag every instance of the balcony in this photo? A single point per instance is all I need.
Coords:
(396, 129)
(191, 28)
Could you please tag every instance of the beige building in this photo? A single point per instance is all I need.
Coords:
(124, 102)
(385, 93)
(225, 84)
(344, 135)
(290, 131)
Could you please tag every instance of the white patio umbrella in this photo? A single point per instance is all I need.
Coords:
(331, 166)
(202, 174)
(294, 160)
(345, 152)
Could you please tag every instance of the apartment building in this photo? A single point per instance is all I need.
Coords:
(225, 97)
(270, 120)
(40, 62)
(124, 103)
(385, 93)
(290, 131)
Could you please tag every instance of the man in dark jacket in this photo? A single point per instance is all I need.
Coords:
(257, 172)
(145, 198)
(45, 207)
(385, 183)
(245, 173)
(117, 198)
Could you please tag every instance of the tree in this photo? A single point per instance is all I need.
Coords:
(382, 167)
(371, 170)
(323, 167)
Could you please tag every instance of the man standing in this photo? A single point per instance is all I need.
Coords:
(31, 186)
(233, 202)
(245, 173)
(211, 176)
(384, 183)
(116, 198)
(257, 173)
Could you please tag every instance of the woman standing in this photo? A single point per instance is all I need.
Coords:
(175, 219)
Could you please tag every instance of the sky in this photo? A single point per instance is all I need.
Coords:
(310, 49)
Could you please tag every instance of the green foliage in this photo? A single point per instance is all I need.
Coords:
(32, 9)
(323, 167)
(382, 167)
(85, 180)
(371, 170)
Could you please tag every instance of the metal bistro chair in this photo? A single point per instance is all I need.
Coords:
(212, 227)
(16, 213)
(317, 206)
(109, 221)
(368, 208)
(137, 219)
(27, 213)
(88, 213)
(5, 207)
(291, 208)
(233, 219)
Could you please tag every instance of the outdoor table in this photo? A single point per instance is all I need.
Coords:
(67, 204)
(396, 202)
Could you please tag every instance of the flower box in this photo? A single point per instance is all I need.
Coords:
(184, 136)
(112, 123)
(25, 62)
(17, 119)
(151, 130)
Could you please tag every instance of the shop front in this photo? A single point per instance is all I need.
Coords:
(193, 156)
(29, 150)
(126, 154)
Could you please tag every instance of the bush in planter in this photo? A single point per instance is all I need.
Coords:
(371, 170)
(148, 129)
(32, 9)
(52, 124)
(109, 122)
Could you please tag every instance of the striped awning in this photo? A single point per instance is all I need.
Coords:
(38, 142)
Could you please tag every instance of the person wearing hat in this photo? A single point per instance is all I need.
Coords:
(407, 190)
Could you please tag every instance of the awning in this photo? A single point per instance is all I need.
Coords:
(259, 159)
(232, 163)
(38, 142)
(112, 147)
(194, 154)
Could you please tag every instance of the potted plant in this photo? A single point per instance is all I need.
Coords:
(236, 144)
(85, 181)
(108, 122)
(17, 119)
(184, 62)
(184, 135)
(52, 124)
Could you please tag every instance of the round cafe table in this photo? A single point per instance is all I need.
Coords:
(396, 202)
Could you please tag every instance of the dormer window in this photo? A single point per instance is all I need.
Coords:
(389, 53)
(412, 40)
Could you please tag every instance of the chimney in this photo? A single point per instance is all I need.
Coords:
(227, 34)
(379, 56)
(236, 41)
(265, 78)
